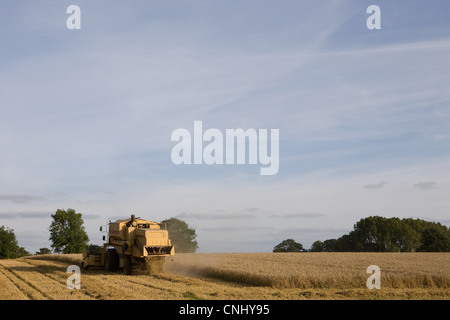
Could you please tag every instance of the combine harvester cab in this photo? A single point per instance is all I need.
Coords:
(131, 242)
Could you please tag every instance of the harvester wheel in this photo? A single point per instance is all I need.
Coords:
(126, 264)
(112, 260)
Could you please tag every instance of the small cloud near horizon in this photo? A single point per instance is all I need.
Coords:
(425, 185)
(298, 215)
(25, 215)
(378, 185)
(222, 216)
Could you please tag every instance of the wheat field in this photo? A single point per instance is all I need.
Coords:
(320, 270)
(258, 276)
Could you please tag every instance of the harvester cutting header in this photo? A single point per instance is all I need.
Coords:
(130, 242)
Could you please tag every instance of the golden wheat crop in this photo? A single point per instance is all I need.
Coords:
(319, 270)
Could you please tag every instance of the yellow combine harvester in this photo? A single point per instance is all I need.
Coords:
(130, 242)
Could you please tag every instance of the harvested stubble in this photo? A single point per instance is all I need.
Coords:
(318, 270)
(73, 258)
(153, 265)
(44, 280)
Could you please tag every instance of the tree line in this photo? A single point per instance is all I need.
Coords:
(371, 234)
(380, 234)
(68, 235)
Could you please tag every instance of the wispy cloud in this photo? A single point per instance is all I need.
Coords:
(21, 198)
(317, 230)
(8, 215)
(215, 216)
(307, 215)
(223, 230)
(425, 185)
(378, 185)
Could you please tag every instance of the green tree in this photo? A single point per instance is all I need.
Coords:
(435, 238)
(370, 234)
(432, 236)
(317, 246)
(345, 243)
(181, 235)
(394, 234)
(9, 247)
(288, 245)
(403, 236)
(22, 252)
(67, 232)
(330, 245)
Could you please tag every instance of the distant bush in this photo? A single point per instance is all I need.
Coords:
(43, 251)
(9, 248)
(288, 245)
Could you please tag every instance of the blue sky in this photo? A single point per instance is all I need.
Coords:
(86, 115)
